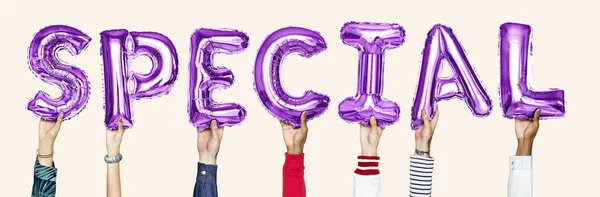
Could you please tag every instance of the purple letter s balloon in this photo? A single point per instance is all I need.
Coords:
(371, 40)
(267, 82)
(205, 77)
(121, 84)
(442, 44)
(518, 99)
(45, 64)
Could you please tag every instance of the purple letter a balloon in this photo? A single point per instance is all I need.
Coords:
(518, 99)
(121, 84)
(371, 40)
(441, 44)
(205, 77)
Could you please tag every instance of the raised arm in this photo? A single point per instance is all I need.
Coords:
(520, 181)
(367, 181)
(209, 143)
(293, 168)
(421, 163)
(44, 175)
(112, 159)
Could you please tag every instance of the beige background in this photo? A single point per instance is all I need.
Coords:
(471, 153)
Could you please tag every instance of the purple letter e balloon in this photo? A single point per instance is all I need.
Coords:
(518, 99)
(371, 40)
(205, 77)
(121, 84)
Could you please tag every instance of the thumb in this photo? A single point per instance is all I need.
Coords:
(536, 116)
(59, 121)
(120, 125)
(213, 127)
(373, 122)
(303, 120)
(425, 118)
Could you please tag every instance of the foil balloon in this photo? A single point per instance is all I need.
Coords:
(205, 77)
(441, 44)
(371, 40)
(518, 99)
(46, 65)
(121, 84)
(267, 83)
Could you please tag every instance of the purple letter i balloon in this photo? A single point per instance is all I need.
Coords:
(121, 84)
(205, 77)
(371, 40)
(442, 44)
(45, 64)
(518, 99)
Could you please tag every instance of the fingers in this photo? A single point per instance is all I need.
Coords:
(214, 128)
(374, 126)
(425, 118)
(303, 120)
(436, 115)
(536, 116)
(120, 128)
(59, 121)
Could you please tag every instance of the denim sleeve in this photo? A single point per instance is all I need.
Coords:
(206, 181)
(44, 180)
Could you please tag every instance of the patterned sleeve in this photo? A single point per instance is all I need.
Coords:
(44, 180)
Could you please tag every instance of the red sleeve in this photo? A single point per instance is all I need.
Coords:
(293, 176)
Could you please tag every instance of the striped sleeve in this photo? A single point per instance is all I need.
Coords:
(421, 171)
(44, 180)
(367, 181)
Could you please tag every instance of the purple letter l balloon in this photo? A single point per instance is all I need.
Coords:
(205, 77)
(371, 40)
(518, 99)
(442, 44)
(121, 84)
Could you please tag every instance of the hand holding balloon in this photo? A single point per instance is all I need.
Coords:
(209, 143)
(369, 137)
(526, 131)
(424, 132)
(47, 133)
(295, 138)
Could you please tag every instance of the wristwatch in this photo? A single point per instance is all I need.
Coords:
(113, 159)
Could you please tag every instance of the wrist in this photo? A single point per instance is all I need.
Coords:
(524, 148)
(422, 145)
(295, 150)
(113, 152)
(45, 148)
(368, 152)
(208, 159)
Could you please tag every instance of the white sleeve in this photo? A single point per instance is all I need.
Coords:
(367, 185)
(421, 173)
(520, 180)
(367, 181)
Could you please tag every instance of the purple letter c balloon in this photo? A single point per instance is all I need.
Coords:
(121, 84)
(204, 77)
(267, 82)
(518, 99)
(45, 64)
(442, 44)
(371, 40)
